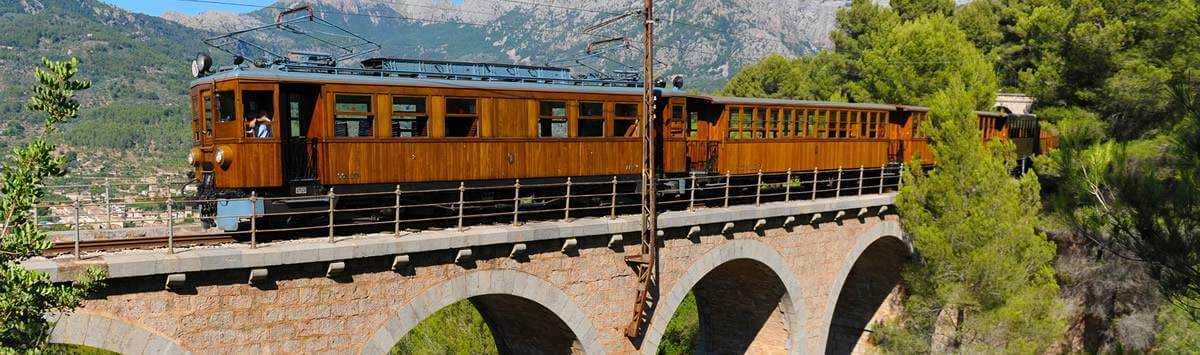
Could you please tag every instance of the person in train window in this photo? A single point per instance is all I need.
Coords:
(262, 125)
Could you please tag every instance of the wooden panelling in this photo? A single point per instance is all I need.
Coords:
(914, 147)
(514, 113)
(475, 159)
(744, 157)
(252, 163)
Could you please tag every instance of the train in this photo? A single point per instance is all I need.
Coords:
(300, 128)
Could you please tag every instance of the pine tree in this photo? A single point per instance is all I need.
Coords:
(984, 281)
(27, 296)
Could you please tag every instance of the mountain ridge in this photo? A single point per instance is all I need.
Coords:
(707, 41)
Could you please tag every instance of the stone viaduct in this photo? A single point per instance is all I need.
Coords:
(783, 277)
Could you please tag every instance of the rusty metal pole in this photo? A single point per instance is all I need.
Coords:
(882, 169)
(567, 209)
(612, 214)
(787, 187)
(814, 187)
(860, 179)
(396, 217)
(462, 190)
(517, 203)
(647, 260)
(253, 219)
(330, 198)
(838, 188)
(108, 202)
(170, 223)
(77, 232)
(758, 189)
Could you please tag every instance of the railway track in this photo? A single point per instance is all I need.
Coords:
(60, 248)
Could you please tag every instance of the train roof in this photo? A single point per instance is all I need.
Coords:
(582, 87)
(337, 78)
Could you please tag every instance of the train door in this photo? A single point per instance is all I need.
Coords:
(298, 146)
(702, 139)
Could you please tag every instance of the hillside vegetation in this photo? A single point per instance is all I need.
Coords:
(137, 107)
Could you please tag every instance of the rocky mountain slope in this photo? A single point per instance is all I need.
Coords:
(705, 40)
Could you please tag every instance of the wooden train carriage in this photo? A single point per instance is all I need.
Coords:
(747, 135)
(1024, 132)
(329, 129)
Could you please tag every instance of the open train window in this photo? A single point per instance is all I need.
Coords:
(552, 119)
(625, 117)
(409, 117)
(258, 109)
(591, 119)
(462, 117)
(226, 106)
(352, 116)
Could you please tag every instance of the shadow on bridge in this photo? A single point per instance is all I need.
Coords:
(868, 296)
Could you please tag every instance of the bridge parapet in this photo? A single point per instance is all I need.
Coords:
(785, 261)
(137, 263)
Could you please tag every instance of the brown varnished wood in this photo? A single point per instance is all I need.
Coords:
(749, 156)
(254, 164)
(476, 159)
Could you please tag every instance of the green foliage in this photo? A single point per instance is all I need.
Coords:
(985, 281)
(817, 77)
(455, 329)
(143, 128)
(26, 296)
(1180, 334)
(681, 334)
(893, 71)
(912, 9)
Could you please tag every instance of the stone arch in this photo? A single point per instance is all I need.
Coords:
(503, 290)
(868, 276)
(96, 330)
(733, 258)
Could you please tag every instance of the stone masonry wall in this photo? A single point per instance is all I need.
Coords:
(590, 289)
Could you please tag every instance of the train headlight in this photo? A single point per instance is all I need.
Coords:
(223, 157)
(194, 156)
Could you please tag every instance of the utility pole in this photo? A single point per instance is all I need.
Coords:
(646, 262)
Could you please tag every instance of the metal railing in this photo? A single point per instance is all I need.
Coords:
(173, 218)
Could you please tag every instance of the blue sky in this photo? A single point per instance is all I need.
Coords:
(156, 7)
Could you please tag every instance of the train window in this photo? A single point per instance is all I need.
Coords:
(693, 124)
(759, 123)
(591, 119)
(225, 106)
(352, 116)
(799, 123)
(772, 123)
(625, 120)
(208, 113)
(676, 126)
(462, 117)
(735, 123)
(739, 122)
(409, 117)
(552, 119)
(258, 109)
